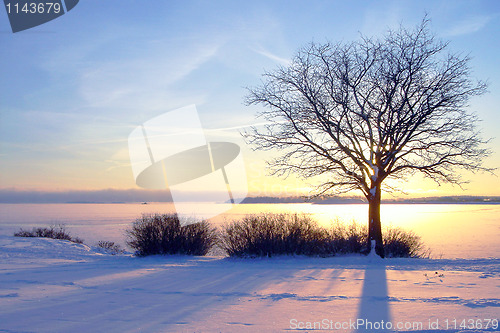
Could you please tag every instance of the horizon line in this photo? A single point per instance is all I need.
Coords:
(145, 195)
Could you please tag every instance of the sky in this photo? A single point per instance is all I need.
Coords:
(73, 89)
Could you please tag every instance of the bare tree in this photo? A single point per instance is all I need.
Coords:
(355, 114)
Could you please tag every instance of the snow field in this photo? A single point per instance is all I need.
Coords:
(49, 285)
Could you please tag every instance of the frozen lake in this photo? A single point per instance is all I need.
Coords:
(451, 231)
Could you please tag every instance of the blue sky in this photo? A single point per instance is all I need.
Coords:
(73, 89)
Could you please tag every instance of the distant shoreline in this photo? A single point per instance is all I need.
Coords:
(111, 196)
(409, 202)
(448, 200)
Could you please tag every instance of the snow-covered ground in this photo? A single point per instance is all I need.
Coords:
(56, 286)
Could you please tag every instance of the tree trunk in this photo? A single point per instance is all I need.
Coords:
(374, 225)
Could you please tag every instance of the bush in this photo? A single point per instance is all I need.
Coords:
(401, 243)
(273, 234)
(54, 232)
(164, 234)
(278, 234)
(345, 239)
(110, 247)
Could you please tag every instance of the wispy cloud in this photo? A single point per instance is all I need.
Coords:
(143, 82)
(468, 26)
(274, 57)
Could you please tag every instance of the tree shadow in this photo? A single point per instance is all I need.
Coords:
(374, 311)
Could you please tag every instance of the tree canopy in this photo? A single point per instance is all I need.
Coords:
(371, 109)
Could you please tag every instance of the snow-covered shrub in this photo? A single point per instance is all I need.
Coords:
(54, 231)
(110, 247)
(344, 239)
(273, 234)
(288, 234)
(164, 234)
(402, 243)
